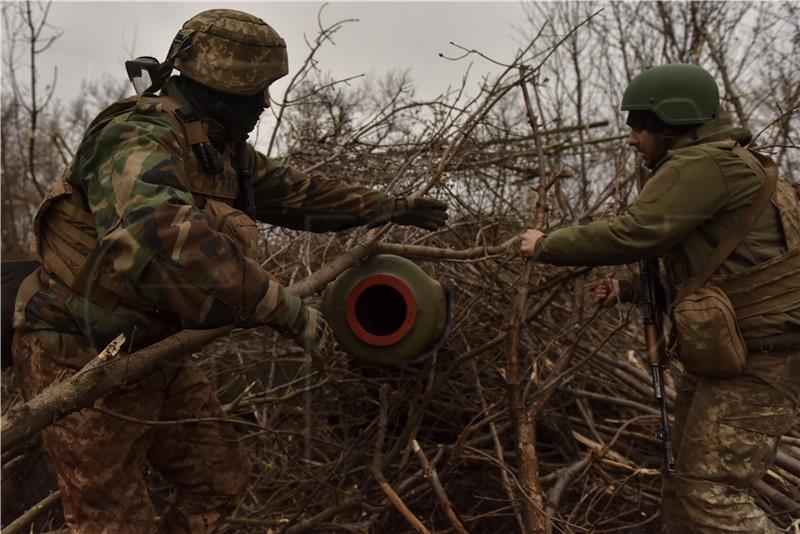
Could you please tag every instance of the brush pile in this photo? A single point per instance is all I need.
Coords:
(338, 446)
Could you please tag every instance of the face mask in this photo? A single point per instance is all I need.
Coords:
(243, 110)
(238, 114)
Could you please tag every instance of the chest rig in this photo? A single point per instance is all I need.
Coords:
(220, 182)
(771, 289)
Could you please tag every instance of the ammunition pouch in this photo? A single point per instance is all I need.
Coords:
(711, 344)
(235, 224)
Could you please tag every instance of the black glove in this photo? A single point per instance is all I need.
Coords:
(422, 212)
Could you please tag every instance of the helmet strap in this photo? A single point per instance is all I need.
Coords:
(181, 44)
(247, 196)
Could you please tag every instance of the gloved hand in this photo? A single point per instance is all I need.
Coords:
(312, 332)
(294, 319)
(422, 212)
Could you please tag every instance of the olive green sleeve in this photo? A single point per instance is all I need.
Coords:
(685, 192)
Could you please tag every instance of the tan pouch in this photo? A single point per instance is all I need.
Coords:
(711, 344)
(234, 224)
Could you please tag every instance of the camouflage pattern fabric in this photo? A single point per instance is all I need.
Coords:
(173, 250)
(726, 435)
(167, 249)
(230, 51)
(97, 458)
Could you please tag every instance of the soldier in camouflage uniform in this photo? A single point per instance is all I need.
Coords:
(726, 431)
(150, 230)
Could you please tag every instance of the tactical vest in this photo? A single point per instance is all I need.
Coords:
(65, 238)
(771, 288)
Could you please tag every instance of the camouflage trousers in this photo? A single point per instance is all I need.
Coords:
(726, 436)
(98, 458)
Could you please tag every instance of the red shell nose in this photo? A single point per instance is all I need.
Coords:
(381, 310)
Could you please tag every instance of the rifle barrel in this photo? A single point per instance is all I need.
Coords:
(656, 355)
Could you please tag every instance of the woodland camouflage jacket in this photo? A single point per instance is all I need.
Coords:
(690, 202)
(167, 249)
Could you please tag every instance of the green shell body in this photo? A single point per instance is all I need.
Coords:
(385, 311)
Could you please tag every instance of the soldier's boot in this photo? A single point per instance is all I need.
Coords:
(204, 461)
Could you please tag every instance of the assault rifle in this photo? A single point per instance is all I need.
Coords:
(652, 309)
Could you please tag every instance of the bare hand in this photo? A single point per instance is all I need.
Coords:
(529, 239)
(606, 293)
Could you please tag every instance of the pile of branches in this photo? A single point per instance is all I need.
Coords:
(432, 448)
(537, 413)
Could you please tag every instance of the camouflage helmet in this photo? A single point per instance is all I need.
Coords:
(679, 94)
(230, 51)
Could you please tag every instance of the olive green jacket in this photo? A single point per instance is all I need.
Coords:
(690, 201)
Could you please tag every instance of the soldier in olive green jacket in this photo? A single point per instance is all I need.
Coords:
(152, 229)
(726, 430)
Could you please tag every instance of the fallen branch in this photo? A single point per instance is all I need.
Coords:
(776, 496)
(438, 490)
(30, 516)
(613, 400)
(99, 377)
(565, 476)
(394, 498)
(420, 252)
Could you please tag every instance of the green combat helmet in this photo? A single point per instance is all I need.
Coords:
(229, 51)
(679, 94)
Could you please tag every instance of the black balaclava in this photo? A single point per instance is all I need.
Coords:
(238, 114)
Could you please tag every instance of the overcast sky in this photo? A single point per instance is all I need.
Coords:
(98, 36)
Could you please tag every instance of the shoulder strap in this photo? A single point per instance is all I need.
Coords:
(764, 168)
(192, 127)
(247, 195)
(196, 135)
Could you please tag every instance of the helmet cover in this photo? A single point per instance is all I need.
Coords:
(230, 51)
